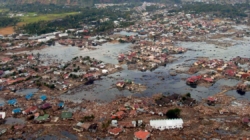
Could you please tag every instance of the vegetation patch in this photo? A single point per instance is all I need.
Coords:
(173, 113)
(224, 10)
(33, 17)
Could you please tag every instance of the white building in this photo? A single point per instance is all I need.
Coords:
(116, 23)
(42, 40)
(63, 35)
(2, 115)
(166, 124)
(105, 71)
(50, 37)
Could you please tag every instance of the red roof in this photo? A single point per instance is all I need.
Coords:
(230, 72)
(210, 98)
(143, 135)
(66, 76)
(133, 112)
(132, 54)
(86, 37)
(30, 57)
(245, 120)
(191, 80)
(37, 114)
(31, 109)
(6, 59)
(208, 80)
(194, 78)
(115, 131)
(244, 76)
(122, 109)
(10, 81)
(121, 56)
(120, 84)
(88, 75)
(119, 114)
(18, 127)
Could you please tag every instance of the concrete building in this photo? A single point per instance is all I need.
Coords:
(166, 124)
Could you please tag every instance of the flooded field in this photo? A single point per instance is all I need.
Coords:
(160, 81)
(107, 52)
(14, 121)
(126, 33)
(27, 91)
(157, 81)
(1, 101)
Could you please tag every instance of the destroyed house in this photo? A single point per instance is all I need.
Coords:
(209, 80)
(162, 101)
(141, 135)
(1, 72)
(43, 97)
(245, 76)
(173, 96)
(115, 131)
(78, 127)
(61, 105)
(120, 84)
(193, 79)
(12, 102)
(121, 57)
(89, 76)
(93, 127)
(230, 72)
(246, 121)
(29, 96)
(30, 110)
(85, 126)
(16, 111)
(119, 115)
(41, 119)
(66, 115)
(45, 106)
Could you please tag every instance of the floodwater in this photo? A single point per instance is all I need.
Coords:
(91, 138)
(126, 33)
(108, 52)
(160, 81)
(157, 81)
(2, 101)
(73, 110)
(69, 135)
(14, 121)
(62, 135)
(50, 137)
(27, 91)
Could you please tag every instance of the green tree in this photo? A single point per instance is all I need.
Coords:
(188, 95)
(173, 113)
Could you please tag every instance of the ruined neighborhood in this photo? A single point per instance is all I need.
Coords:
(170, 75)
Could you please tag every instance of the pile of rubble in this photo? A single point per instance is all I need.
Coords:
(215, 69)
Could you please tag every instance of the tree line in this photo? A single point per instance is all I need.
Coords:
(6, 21)
(225, 10)
(87, 16)
(42, 8)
